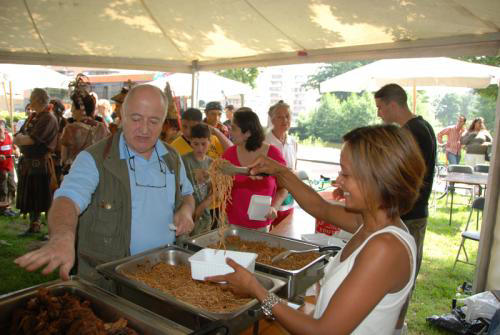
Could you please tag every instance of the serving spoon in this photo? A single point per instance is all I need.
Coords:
(283, 255)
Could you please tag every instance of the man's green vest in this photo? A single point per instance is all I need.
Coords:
(104, 227)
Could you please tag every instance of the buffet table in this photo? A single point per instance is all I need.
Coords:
(151, 312)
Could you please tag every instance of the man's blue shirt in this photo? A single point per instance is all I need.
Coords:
(152, 205)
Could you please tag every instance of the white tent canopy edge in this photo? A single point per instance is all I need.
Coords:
(467, 45)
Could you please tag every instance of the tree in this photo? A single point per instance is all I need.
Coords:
(492, 90)
(334, 117)
(246, 75)
(451, 105)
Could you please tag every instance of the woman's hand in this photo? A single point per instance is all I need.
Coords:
(266, 165)
(241, 281)
(272, 213)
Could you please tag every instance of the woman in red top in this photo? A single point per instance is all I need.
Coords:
(248, 138)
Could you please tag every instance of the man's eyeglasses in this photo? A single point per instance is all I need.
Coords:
(163, 169)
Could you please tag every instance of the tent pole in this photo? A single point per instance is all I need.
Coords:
(487, 274)
(414, 98)
(194, 84)
(11, 109)
(5, 95)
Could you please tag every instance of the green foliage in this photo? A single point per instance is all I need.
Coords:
(451, 105)
(333, 118)
(331, 70)
(16, 116)
(491, 91)
(245, 75)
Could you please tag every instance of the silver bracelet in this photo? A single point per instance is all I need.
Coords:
(268, 303)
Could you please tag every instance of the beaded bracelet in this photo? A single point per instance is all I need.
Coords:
(268, 303)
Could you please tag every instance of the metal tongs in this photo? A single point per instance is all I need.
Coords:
(230, 169)
(285, 254)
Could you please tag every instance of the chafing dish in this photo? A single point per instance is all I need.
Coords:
(168, 306)
(297, 280)
(105, 305)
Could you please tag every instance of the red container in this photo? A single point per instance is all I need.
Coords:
(325, 227)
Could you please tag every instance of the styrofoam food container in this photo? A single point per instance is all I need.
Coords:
(212, 262)
(259, 207)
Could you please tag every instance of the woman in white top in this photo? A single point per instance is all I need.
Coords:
(281, 120)
(366, 284)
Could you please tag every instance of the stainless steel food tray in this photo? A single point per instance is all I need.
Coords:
(168, 306)
(298, 281)
(105, 305)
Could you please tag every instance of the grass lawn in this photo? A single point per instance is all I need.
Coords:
(12, 277)
(436, 283)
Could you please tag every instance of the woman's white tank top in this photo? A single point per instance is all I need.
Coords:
(382, 319)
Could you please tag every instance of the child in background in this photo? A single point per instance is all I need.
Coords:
(197, 163)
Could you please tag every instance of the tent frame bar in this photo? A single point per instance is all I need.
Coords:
(486, 44)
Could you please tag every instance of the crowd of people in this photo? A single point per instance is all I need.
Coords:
(119, 185)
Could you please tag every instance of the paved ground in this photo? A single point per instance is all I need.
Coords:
(327, 161)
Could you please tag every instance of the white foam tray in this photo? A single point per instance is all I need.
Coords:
(212, 262)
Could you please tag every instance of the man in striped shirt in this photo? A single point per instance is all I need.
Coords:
(453, 145)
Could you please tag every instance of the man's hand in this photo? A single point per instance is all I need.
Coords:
(59, 252)
(183, 222)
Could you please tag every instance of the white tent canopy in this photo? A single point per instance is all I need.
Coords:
(179, 36)
(210, 86)
(413, 72)
(26, 77)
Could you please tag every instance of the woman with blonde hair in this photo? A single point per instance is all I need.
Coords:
(281, 121)
(366, 284)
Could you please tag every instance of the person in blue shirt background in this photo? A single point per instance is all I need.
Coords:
(140, 158)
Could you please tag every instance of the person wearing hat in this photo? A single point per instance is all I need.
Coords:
(117, 115)
(190, 118)
(213, 112)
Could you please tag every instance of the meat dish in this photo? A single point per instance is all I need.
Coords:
(46, 314)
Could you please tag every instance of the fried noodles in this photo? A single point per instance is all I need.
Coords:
(176, 280)
(221, 189)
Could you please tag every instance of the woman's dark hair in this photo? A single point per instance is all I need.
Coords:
(476, 120)
(200, 131)
(192, 114)
(247, 120)
(58, 107)
(83, 100)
